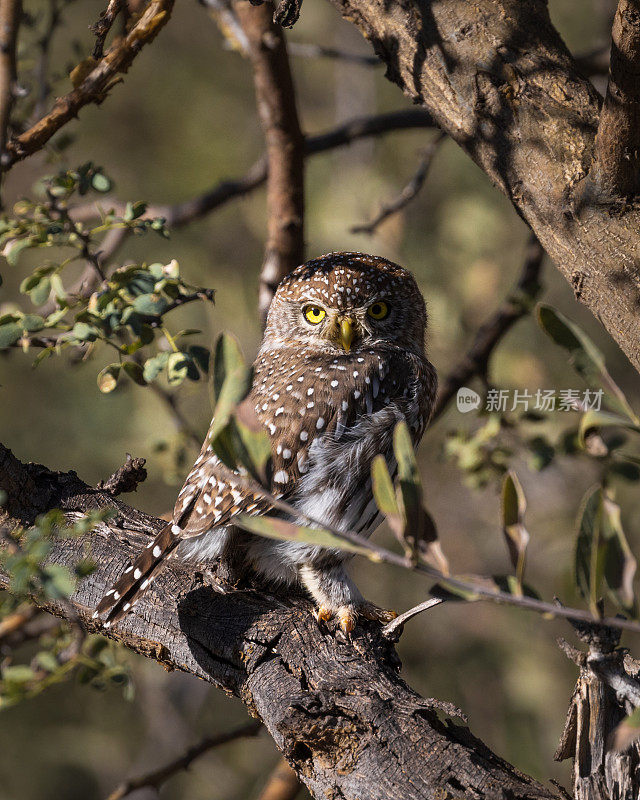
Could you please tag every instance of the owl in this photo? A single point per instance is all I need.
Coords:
(342, 361)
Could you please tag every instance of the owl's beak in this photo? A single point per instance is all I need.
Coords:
(346, 333)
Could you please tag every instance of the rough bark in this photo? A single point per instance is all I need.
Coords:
(338, 710)
(616, 170)
(498, 79)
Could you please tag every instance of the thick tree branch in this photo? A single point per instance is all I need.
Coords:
(338, 710)
(498, 79)
(616, 169)
(94, 87)
(276, 104)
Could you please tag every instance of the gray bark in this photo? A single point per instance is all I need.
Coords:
(338, 710)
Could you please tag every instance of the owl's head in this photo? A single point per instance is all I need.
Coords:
(347, 301)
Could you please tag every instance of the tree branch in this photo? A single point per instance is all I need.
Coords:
(10, 13)
(516, 306)
(157, 777)
(339, 711)
(498, 79)
(95, 86)
(616, 169)
(410, 191)
(276, 104)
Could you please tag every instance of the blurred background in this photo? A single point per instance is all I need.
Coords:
(184, 119)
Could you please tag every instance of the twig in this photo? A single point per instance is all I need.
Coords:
(10, 12)
(184, 213)
(285, 147)
(104, 24)
(181, 422)
(95, 86)
(156, 778)
(379, 554)
(17, 620)
(306, 50)
(476, 360)
(393, 629)
(616, 169)
(126, 478)
(42, 67)
(408, 193)
(282, 783)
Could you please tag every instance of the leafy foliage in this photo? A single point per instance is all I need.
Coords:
(63, 649)
(123, 309)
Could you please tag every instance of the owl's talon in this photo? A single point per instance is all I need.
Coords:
(347, 619)
(347, 615)
(323, 614)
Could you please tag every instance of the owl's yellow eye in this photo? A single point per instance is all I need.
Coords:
(379, 310)
(313, 314)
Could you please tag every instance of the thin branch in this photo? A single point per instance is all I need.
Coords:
(616, 170)
(104, 24)
(10, 13)
(282, 783)
(408, 193)
(392, 630)
(184, 213)
(94, 87)
(42, 67)
(516, 306)
(157, 777)
(276, 104)
(307, 50)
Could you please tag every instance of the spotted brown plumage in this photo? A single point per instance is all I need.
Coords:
(341, 362)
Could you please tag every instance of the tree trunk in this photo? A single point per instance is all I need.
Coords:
(498, 79)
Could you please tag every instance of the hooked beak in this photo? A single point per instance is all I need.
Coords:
(346, 333)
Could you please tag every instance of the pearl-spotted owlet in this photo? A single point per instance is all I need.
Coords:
(341, 362)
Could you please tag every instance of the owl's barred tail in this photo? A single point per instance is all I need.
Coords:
(138, 577)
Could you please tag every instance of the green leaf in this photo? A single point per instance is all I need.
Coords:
(274, 528)
(383, 491)
(590, 548)
(32, 322)
(620, 564)
(154, 366)
(179, 367)
(57, 581)
(592, 420)
(151, 305)
(13, 249)
(108, 378)
(101, 183)
(84, 332)
(584, 356)
(40, 293)
(200, 355)
(627, 732)
(514, 505)
(10, 332)
(231, 380)
(410, 486)
(135, 372)
(18, 673)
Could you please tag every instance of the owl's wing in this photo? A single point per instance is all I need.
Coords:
(211, 496)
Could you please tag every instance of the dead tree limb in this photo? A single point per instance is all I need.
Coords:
(616, 169)
(339, 712)
(95, 86)
(497, 77)
(276, 103)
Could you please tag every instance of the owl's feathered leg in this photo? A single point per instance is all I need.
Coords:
(337, 596)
